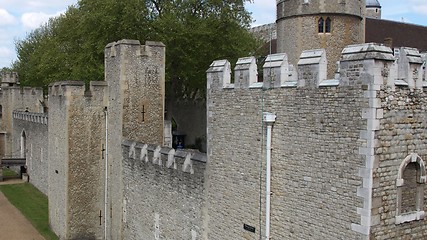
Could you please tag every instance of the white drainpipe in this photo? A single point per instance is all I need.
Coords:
(106, 174)
(269, 120)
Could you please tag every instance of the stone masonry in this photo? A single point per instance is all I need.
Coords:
(76, 153)
(13, 97)
(340, 148)
(31, 131)
(347, 156)
(164, 192)
(135, 75)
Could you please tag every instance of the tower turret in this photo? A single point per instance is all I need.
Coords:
(9, 79)
(314, 24)
(373, 9)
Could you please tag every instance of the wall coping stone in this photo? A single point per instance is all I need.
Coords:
(367, 51)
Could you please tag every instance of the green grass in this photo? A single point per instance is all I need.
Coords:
(33, 205)
(7, 172)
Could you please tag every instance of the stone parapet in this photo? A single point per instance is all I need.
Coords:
(266, 32)
(141, 50)
(333, 139)
(9, 79)
(77, 88)
(410, 70)
(41, 118)
(368, 64)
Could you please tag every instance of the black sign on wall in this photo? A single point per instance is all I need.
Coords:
(249, 228)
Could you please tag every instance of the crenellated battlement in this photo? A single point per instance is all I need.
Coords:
(363, 64)
(114, 49)
(164, 156)
(41, 118)
(77, 88)
(9, 79)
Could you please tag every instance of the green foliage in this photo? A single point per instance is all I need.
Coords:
(32, 204)
(196, 32)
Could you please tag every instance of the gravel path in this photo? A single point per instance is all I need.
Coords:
(13, 225)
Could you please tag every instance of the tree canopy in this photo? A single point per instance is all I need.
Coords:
(195, 32)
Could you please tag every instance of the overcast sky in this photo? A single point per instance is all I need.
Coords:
(18, 17)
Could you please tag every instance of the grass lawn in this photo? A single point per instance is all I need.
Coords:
(9, 173)
(33, 205)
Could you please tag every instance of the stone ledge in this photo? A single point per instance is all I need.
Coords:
(414, 216)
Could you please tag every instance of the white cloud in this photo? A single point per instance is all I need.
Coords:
(36, 19)
(6, 18)
(422, 9)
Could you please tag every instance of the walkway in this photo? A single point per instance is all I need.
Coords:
(13, 225)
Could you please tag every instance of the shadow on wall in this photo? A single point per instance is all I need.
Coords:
(188, 123)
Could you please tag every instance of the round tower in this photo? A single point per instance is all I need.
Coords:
(373, 9)
(314, 24)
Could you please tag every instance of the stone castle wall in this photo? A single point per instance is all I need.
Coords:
(265, 32)
(16, 98)
(337, 146)
(315, 161)
(347, 153)
(76, 159)
(401, 133)
(164, 192)
(135, 75)
(34, 126)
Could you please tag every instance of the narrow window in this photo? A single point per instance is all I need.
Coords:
(328, 25)
(321, 25)
(1, 111)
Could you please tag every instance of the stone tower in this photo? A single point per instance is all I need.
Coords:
(373, 9)
(327, 24)
(135, 75)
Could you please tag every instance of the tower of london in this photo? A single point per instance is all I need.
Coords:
(305, 154)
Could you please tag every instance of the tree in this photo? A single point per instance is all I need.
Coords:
(196, 32)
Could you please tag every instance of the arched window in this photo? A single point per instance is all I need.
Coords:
(410, 183)
(328, 25)
(321, 25)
